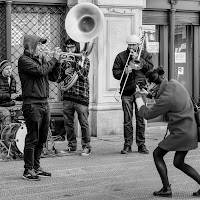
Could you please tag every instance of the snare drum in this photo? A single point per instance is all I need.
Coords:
(15, 134)
(16, 113)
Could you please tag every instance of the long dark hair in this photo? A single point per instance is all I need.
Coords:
(155, 75)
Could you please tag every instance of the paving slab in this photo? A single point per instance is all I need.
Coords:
(104, 175)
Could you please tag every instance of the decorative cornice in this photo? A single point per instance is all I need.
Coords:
(173, 2)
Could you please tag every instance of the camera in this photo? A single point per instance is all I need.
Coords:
(141, 84)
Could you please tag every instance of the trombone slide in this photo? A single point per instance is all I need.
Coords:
(118, 86)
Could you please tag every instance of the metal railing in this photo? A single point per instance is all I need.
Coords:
(44, 21)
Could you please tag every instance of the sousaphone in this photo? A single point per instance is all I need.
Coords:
(83, 24)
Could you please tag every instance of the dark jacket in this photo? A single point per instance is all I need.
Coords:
(35, 73)
(118, 67)
(6, 91)
(173, 99)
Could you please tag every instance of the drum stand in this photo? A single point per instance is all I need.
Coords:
(4, 148)
(50, 139)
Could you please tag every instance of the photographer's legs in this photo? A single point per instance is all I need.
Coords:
(158, 155)
(179, 162)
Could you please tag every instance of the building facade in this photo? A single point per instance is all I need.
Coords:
(171, 27)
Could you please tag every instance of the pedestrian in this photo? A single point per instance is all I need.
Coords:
(76, 98)
(8, 92)
(172, 99)
(35, 73)
(136, 75)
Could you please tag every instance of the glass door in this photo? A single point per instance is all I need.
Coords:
(183, 45)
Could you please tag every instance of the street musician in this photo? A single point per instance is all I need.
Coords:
(8, 92)
(76, 97)
(35, 72)
(130, 66)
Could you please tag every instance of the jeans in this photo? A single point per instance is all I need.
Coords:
(5, 116)
(69, 108)
(127, 105)
(37, 119)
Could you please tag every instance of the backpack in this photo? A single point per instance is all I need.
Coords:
(197, 117)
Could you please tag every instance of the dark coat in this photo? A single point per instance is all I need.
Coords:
(173, 99)
(118, 68)
(6, 91)
(35, 73)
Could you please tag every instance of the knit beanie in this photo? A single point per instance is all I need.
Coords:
(4, 64)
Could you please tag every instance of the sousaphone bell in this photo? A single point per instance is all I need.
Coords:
(83, 24)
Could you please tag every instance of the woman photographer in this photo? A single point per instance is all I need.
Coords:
(173, 99)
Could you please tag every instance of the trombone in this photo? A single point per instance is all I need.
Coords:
(136, 62)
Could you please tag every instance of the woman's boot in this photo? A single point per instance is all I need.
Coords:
(197, 194)
(164, 192)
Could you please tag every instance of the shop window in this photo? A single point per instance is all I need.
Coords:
(183, 45)
(152, 45)
(152, 42)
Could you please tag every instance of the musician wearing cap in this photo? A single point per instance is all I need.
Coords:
(76, 97)
(132, 74)
(8, 92)
(35, 72)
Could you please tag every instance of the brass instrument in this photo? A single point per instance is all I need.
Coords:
(118, 94)
(68, 58)
(83, 23)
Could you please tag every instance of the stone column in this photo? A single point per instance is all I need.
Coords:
(8, 29)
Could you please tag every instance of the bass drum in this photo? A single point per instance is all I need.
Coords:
(14, 134)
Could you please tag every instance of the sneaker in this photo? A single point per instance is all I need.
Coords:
(142, 149)
(40, 172)
(126, 150)
(30, 175)
(86, 152)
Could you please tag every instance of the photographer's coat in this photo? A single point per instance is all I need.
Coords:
(174, 100)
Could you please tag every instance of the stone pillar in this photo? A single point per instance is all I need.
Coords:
(8, 29)
(121, 18)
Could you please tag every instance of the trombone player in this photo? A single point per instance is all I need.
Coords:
(131, 72)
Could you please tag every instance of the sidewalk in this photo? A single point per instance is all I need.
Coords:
(104, 175)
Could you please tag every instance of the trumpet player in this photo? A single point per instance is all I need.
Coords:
(76, 99)
(35, 73)
(134, 73)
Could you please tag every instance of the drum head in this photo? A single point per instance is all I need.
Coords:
(14, 133)
(20, 137)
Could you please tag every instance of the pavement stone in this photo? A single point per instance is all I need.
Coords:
(104, 175)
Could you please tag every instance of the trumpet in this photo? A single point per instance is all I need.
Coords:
(136, 62)
(63, 55)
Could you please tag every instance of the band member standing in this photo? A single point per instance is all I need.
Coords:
(172, 99)
(76, 99)
(8, 91)
(35, 73)
(136, 74)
